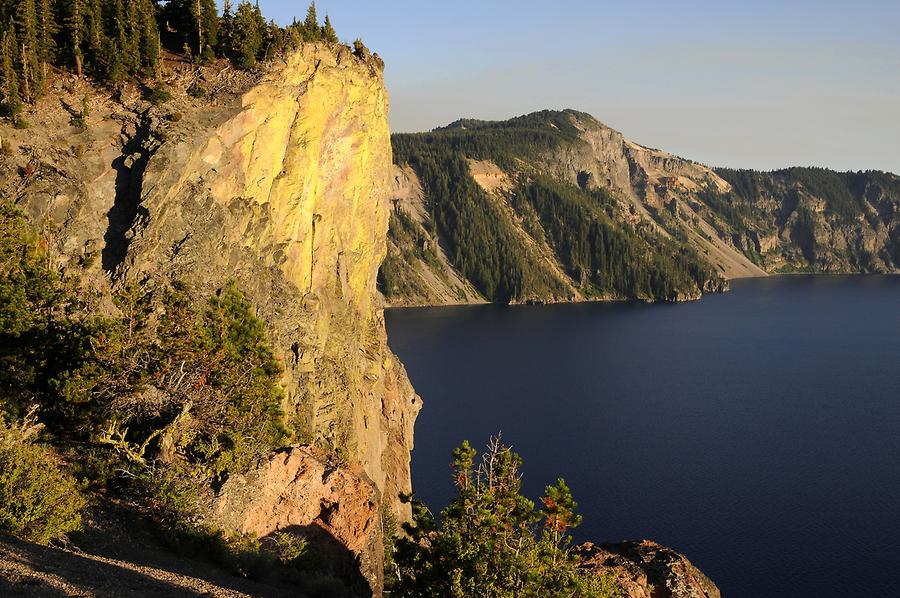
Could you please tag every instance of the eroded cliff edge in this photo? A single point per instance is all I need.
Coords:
(279, 181)
(288, 196)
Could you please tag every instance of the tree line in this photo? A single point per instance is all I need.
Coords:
(113, 40)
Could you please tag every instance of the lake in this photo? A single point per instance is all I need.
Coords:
(757, 431)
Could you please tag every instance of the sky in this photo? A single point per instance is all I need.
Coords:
(759, 84)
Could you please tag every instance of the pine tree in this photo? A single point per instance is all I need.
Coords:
(118, 62)
(74, 27)
(208, 28)
(312, 22)
(225, 29)
(47, 30)
(26, 39)
(132, 49)
(95, 35)
(328, 32)
(261, 24)
(150, 42)
(246, 37)
(10, 79)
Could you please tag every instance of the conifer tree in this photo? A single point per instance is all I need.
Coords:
(225, 29)
(328, 32)
(94, 33)
(10, 79)
(150, 42)
(115, 48)
(246, 37)
(27, 55)
(47, 30)
(312, 22)
(132, 49)
(208, 28)
(114, 39)
(261, 24)
(75, 25)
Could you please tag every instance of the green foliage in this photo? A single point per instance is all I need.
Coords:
(491, 541)
(725, 205)
(614, 258)
(359, 48)
(829, 185)
(503, 142)
(481, 242)
(328, 33)
(841, 191)
(390, 529)
(157, 95)
(39, 499)
(193, 25)
(213, 381)
(108, 40)
(113, 40)
(804, 234)
(9, 78)
(410, 244)
(196, 91)
(29, 290)
(244, 38)
(289, 547)
(604, 257)
(239, 363)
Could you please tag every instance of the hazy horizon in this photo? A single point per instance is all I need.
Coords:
(764, 86)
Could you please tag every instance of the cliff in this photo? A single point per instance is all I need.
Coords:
(286, 192)
(277, 180)
(735, 223)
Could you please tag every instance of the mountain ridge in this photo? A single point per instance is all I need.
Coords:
(739, 223)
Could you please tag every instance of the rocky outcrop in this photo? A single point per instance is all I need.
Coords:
(648, 570)
(278, 180)
(287, 193)
(301, 491)
(746, 223)
(652, 185)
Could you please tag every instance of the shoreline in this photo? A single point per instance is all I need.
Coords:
(386, 307)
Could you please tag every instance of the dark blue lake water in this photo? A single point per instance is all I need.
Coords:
(757, 431)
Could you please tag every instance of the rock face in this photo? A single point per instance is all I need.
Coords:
(648, 570)
(279, 181)
(647, 181)
(299, 491)
(431, 278)
(288, 195)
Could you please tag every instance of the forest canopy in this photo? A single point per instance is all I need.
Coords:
(113, 40)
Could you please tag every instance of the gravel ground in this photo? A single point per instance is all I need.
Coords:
(28, 569)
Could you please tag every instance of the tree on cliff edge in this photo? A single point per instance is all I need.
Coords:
(492, 542)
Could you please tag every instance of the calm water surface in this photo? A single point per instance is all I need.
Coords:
(756, 431)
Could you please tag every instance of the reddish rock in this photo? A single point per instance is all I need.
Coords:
(298, 490)
(648, 570)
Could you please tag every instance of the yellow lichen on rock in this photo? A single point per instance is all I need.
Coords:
(287, 192)
(311, 146)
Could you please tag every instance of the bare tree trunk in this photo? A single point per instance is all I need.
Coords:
(25, 74)
(199, 30)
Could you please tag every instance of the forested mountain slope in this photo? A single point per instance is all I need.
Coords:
(556, 206)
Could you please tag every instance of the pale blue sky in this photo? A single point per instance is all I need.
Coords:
(760, 84)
